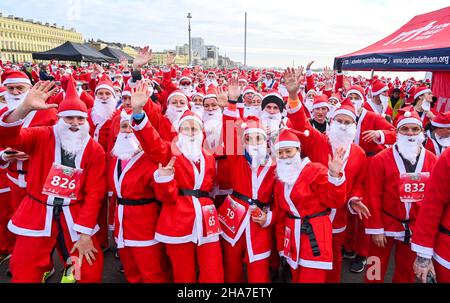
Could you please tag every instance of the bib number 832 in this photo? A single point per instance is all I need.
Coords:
(414, 188)
(63, 182)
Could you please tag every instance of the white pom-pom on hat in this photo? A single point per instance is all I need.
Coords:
(306, 133)
(408, 114)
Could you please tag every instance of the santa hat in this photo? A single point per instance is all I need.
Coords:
(248, 90)
(106, 83)
(14, 77)
(442, 120)
(198, 94)
(177, 93)
(421, 90)
(186, 75)
(273, 97)
(346, 108)
(289, 138)
(335, 98)
(2, 91)
(116, 84)
(126, 91)
(211, 93)
(253, 125)
(320, 101)
(407, 115)
(72, 106)
(356, 89)
(378, 87)
(189, 115)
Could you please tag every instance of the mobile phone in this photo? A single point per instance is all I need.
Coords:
(11, 152)
(431, 278)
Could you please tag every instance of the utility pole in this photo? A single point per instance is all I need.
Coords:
(189, 16)
(245, 42)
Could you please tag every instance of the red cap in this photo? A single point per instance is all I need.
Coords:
(72, 106)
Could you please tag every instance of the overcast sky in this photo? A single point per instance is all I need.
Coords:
(280, 32)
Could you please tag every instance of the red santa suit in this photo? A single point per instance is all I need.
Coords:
(433, 145)
(442, 120)
(39, 223)
(393, 213)
(317, 148)
(431, 238)
(245, 240)
(135, 220)
(303, 227)
(185, 196)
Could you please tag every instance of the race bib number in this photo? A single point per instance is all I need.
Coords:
(210, 221)
(231, 214)
(287, 242)
(412, 186)
(63, 182)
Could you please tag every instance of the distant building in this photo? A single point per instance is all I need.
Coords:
(198, 48)
(20, 38)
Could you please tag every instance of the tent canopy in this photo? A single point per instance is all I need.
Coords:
(115, 53)
(422, 44)
(71, 51)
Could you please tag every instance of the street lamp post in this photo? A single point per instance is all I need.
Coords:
(189, 16)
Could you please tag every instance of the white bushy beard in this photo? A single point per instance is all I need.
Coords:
(272, 121)
(384, 102)
(288, 170)
(252, 111)
(187, 90)
(408, 146)
(174, 114)
(258, 153)
(309, 103)
(198, 110)
(426, 106)
(190, 147)
(212, 121)
(72, 142)
(104, 111)
(126, 146)
(211, 82)
(445, 142)
(13, 101)
(341, 135)
(358, 104)
(331, 112)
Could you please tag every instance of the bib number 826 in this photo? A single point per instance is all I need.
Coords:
(63, 182)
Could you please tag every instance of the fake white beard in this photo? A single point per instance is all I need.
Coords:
(3, 105)
(384, 102)
(126, 146)
(408, 146)
(426, 106)
(358, 104)
(72, 142)
(252, 111)
(191, 147)
(13, 101)
(187, 90)
(309, 103)
(214, 115)
(445, 142)
(210, 82)
(272, 121)
(174, 114)
(288, 170)
(341, 135)
(198, 110)
(258, 153)
(104, 111)
(331, 112)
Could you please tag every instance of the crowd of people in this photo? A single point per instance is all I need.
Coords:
(216, 175)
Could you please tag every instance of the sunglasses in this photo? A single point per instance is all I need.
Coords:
(185, 83)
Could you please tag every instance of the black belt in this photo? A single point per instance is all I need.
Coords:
(407, 229)
(371, 154)
(45, 203)
(130, 202)
(194, 193)
(307, 228)
(249, 200)
(444, 230)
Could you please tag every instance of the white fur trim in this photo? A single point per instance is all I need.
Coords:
(73, 113)
(349, 204)
(441, 261)
(382, 138)
(231, 113)
(336, 181)
(316, 264)
(321, 104)
(354, 91)
(16, 80)
(344, 112)
(209, 96)
(424, 251)
(126, 93)
(175, 94)
(140, 126)
(195, 118)
(268, 220)
(339, 230)
(255, 131)
(110, 88)
(160, 179)
(409, 121)
(421, 93)
(282, 144)
(440, 125)
(12, 124)
(385, 88)
(370, 231)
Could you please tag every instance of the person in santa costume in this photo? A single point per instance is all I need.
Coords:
(423, 98)
(197, 102)
(143, 257)
(396, 183)
(431, 238)
(379, 102)
(272, 118)
(304, 194)
(62, 203)
(320, 111)
(188, 222)
(318, 147)
(246, 215)
(438, 134)
(247, 107)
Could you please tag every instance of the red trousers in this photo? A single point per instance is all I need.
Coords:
(187, 257)
(145, 264)
(32, 257)
(442, 273)
(234, 259)
(308, 275)
(102, 234)
(378, 262)
(334, 275)
(7, 238)
(356, 239)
